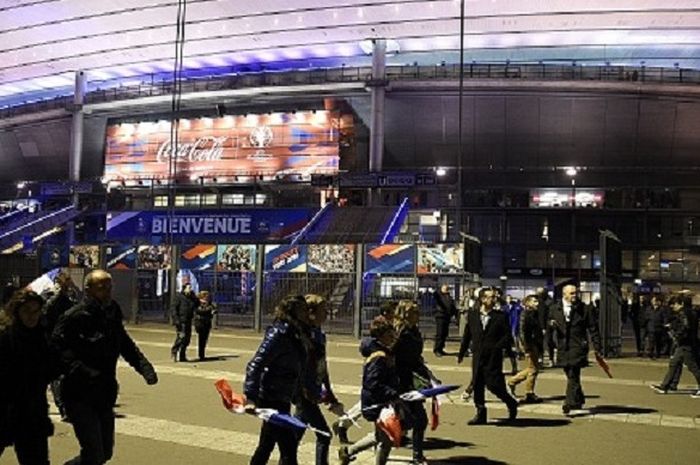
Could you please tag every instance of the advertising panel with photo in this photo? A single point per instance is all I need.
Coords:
(303, 142)
(289, 258)
(84, 256)
(390, 258)
(154, 257)
(331, 258)
(198, 257)
(120, 257)
(440, 258)
(236, 257)
(54, 256)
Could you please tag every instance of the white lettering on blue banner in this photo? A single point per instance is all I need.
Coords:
(201, 225)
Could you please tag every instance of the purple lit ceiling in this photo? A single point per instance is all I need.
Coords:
(43, 42)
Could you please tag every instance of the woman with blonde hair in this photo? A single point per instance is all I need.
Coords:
(412, 371)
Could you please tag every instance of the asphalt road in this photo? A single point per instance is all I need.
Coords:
(181, 421)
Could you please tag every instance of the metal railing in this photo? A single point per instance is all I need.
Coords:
(534, 72)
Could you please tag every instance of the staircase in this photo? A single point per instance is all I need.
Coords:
(35, 224)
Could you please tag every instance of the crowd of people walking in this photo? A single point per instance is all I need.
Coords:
(70, 345)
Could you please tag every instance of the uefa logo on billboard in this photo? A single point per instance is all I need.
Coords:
(261, 137)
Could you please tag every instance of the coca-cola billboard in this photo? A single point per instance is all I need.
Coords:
(303, 143)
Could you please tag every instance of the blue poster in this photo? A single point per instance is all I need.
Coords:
(390, 258)
(289, 258)
(233, 226)
(121, 257)
(54, 256)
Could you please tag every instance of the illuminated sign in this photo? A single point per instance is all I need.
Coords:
(558, 198)
(303, 143)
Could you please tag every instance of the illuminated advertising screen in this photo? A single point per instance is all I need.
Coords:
(390, 258)
(440, 258)
(235, 257)
(331, 258)
(302, 143)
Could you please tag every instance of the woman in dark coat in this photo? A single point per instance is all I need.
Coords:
(25, 372)
(412, 370)
(203, 316)
(273, 376)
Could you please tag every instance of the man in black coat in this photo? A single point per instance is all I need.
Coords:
(445, 310)
(185, 305)
(489, 333)
(573, 322)
(90, 338)
(54, 308)
(683, 328)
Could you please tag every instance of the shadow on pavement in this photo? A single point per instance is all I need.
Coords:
(218, 358)
(611, 409)
(534, 422)
(558, 398)
(465, 460)
(443, 444)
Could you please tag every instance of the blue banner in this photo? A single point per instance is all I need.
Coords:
(233, 226)
(121, 257)
(198, 257)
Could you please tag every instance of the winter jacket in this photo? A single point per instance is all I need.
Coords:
(654, 319)
(530, 330)
(572, 336)
(380, 382)
(274, 372)
(89, 339)
(408, 354)
(185, 306)
(444, 306)
(316, 386)
(203, 316)
(56, 306)
(26, 368)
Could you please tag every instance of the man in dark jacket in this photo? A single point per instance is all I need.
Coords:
(185, 305)
(445, 310)
(531, 340)
(488, 332)
(683, 328)
(55, 307)
(655, 317)
(635, 316)
(573, 322)
(90, 338)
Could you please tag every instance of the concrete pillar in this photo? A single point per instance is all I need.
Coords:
(76, 138)
(377, 88)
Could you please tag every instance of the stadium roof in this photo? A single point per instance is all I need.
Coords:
(43, 42)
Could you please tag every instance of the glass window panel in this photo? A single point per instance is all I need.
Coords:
(649, 264)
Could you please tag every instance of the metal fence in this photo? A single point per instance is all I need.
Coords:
(337, 288)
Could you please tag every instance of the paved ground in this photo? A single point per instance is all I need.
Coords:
(182, 422)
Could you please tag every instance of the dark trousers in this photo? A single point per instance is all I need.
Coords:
(182, 340)
(550, 342)
(310, 413)
(271, 435)
(442, 329)
(637, 334)
(94, 429)
(31, 449)
(682, 355)
(656, 342)
(420, 424)
(202, 338)
(496, 384)
(574, 392)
